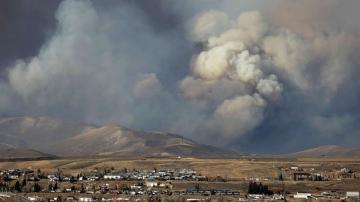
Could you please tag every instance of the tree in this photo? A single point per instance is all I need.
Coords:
(260, 189)
(197, 187)
(252, 188)
(17, 186)
(281, 177)
(255, 188)
(72, 179)
(36, 188)
(50, 187)
(7, 178)
(55, 186)
(39, 174)
(23, 183)
(82, 190)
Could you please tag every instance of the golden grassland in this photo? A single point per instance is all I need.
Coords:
(226, 168)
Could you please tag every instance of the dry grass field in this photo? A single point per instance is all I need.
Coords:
(227, 168)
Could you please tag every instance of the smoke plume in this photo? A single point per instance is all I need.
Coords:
(245, 75)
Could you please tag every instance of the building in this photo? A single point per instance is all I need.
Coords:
(113, 176)
(301, 176)
(352, 194)
(151, 184)
(86, 199)
(302, 195)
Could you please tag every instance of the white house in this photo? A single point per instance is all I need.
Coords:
(352, 194)
(255, 196)
(86, 199)
(52, 178)
(151, 184)
(295, 168)
(113, 176)
(302, 195)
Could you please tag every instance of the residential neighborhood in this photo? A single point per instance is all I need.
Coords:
(112, 184)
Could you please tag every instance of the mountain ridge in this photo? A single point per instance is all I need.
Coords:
(71, 139)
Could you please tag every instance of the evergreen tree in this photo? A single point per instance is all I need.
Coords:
(82, 188)
(36, 187)
(197, 187)
(23, 183)
(260, 189)
(55, 186)
(252, 187)
(281, 177)
(50, 187)
(39, 175)
(17, 186)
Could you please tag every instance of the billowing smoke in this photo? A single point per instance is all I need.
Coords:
(240, 74)
(99, 66)
(234, 56)
(259, 59)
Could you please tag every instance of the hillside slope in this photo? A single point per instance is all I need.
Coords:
(63, 138)
(327, 151)
(11, 152)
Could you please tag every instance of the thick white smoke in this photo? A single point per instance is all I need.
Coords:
(234, 56)
(259, 56)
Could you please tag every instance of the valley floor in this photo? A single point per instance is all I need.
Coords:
(332, 177)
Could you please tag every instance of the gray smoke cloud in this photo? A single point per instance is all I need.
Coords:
(238, 74)
(98, 64)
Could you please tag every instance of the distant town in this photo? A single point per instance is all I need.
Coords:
(122, 184)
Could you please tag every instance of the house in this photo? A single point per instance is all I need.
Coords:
(70, 198)
(302, 195)
(193, 200)
(346, 173)
(122, 199)
(301, 176)
(278, 197)
(345, 170)
(52, 178)
(151, 184)
(86, 199)
(352, 194)
(295, 168)
(13, 177)
(113, 176)
(317, 177)
(255, 196)
(35, 198)
(136, 186)
(165, 185)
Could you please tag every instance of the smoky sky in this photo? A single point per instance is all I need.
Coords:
(24, 26)
(253, 76)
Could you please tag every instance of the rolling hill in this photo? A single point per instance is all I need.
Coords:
(11, 152)
(327, 151)
(65, 138)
